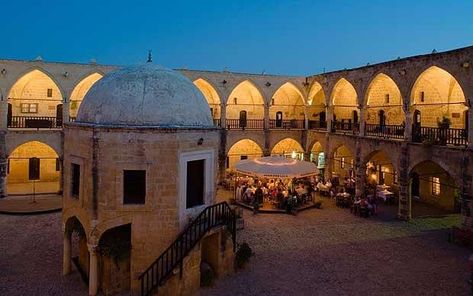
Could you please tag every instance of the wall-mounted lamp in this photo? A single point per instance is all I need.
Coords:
(268, 84)
(224, 82)
(66, 74)
(466, 65)
(4, 71)
(200, 141)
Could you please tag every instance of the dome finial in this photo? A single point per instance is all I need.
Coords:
(150, 57)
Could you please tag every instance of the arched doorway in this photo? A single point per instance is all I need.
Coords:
(289, 101)
(441, 100)
(34, 98)
(33, 168)
(115, 260)
(212, 97)
(345, 106)
(75, 248)
(243, 149)
(245, 97)
(80, 91)
(316, 107)
(342, 163)
(288, 148)
(432, 190)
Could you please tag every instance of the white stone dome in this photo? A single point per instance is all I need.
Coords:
(145, 95)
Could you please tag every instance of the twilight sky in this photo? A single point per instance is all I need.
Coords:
(298, 37)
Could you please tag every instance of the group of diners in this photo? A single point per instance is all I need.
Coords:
(276, 193)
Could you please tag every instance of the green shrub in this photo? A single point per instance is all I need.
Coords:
(243, 255)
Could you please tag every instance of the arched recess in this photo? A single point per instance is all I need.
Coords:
(81, 90)
(342, 162)
(114, 269)
(433, 190)
(35, 94)
(33, 167)
(316, 104)
(245, 97)
(437, 94)
(384, 102)
(345, 102)
(380, 170)
(315, 150)
(243, 149)
(289, 101)
(211, 95)
(288, 148)
(75, 246)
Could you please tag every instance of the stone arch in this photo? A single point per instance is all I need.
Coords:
(436, 94)
(33, 167)
(32, 70)
(341, 158)
(288, 100)
(72, 222)
(211, 95)
(384, 95)
(243, 149)
(386, 168)
(246, 96)
(35, 93)
(81, 89)
(316, 102)
(344, 100)
(288, 147)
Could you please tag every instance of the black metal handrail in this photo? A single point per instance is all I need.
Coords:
(317, 125)
(34, 122)
(249, 124)
(385, 130)
(286, 124)
(162, 268)
(440, 136)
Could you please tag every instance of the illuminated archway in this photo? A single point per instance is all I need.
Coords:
(288, 148)
(315, 151)
(381, 171)
(384, 102)
(437, 94)
(289, 102)
(344, 100)
(433, 190)
(316, 103)
(243, 149)
(342, 162)
(81, 90)
(245, 97)
(210, 95)
(33, 167)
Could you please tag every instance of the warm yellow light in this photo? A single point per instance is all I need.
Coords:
(293, 154)
(374, 177)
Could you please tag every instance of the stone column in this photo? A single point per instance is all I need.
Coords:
(405, 198)
(3, 163)
(470, 129)
(362, 121)
(466, 194)
(266, 117)
(223, 116)
(3, 113)
(93, 270)
(360, 171)
(329, 113)
(65, 110)
(409, 116)
(66, 255)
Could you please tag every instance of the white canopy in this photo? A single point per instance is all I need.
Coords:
(276, 167)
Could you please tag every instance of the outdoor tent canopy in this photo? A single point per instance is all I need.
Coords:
(276, 167)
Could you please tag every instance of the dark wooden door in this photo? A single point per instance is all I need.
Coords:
(59, 115)
(279, 119)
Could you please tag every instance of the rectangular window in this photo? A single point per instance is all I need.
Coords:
(58, 165)
(422, 96)
(49, 93)
(195, 183)
(342, 162)
(33, 168)
(243, 157)
(75, 180)
(386, 98)
(435, 186)
(29, 108)
(134, 187)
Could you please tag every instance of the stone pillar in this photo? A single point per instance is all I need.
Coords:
(362, 121)
(66, 110)
(409, 116)
(466, 194)
(470, 129)
(329, 113)
(328, 158)
(93, 270)
(223, 116)
(405, 198)
(222, 157)
(3, 164)
(266, 117)
(3, 113)
(360, 171)
(66, 255)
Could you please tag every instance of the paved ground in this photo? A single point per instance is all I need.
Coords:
(318, 252)
(30, 204)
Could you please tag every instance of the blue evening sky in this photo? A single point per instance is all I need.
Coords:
(296, 37)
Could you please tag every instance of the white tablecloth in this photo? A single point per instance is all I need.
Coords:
(385, 194)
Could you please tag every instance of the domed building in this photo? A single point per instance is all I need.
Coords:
(140, 165)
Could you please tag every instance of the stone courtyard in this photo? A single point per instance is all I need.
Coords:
(317, 252)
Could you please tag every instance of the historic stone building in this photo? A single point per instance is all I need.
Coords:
(404, 122)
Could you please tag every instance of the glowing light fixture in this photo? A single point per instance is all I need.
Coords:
(293, 154)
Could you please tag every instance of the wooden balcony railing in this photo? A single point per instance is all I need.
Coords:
(36, 122)
(385, 131)
(249, 124)
(317, 125)
(440, 136)
(286, 124)
(345, 126)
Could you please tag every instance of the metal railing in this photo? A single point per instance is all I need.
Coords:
(217, 122)
(440, 136)
(385, 131)
(161, 269)
(345, 126)
(249, 124)
(36, 122)
(286, 124)
(317, 125)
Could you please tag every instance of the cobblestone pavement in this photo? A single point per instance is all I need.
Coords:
(318, 252)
